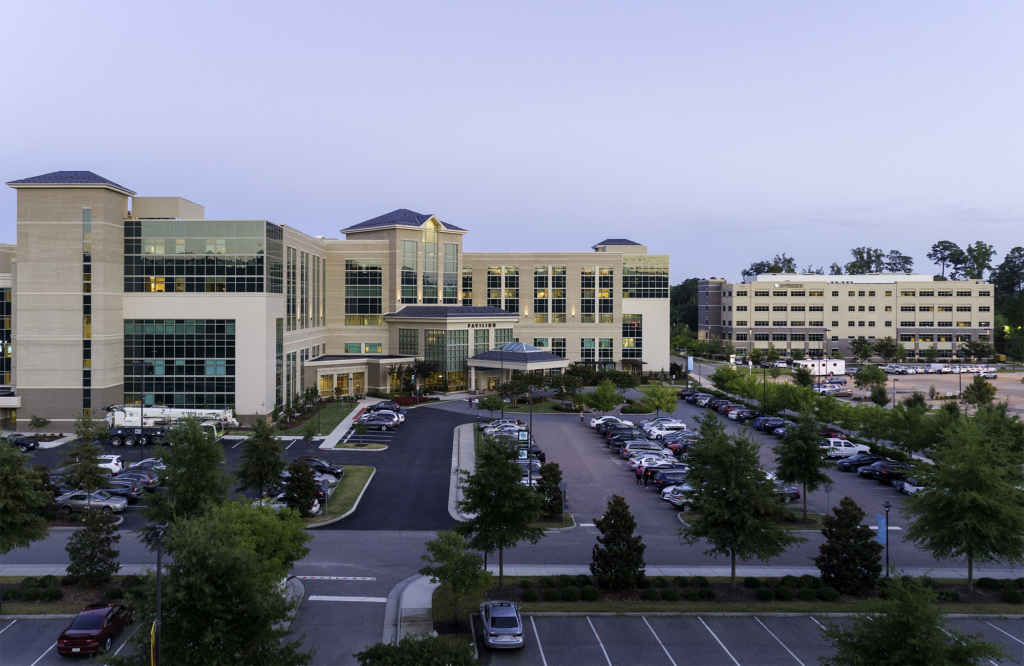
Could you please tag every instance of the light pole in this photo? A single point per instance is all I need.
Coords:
(142, 405)
(158, 536)
(501, 380)
(529, 441)
(894, 380)
(887, 505)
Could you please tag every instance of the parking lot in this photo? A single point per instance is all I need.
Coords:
(33, 642)
(714, 641)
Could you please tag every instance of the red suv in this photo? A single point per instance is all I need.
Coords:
(834, 434)
(94, 629)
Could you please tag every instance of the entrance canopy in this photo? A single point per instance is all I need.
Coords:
(518, 356)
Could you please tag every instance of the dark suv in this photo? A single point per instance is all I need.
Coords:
(894, 472)
(633, 433)
(322, 466)
(666, 478)
(21, 442)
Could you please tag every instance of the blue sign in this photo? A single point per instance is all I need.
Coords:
(689, 364)
(881, 528)
(524, 436)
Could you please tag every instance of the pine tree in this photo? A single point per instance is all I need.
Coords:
(799, 456)
(194, 479)
(22, 501)
(547, 488)
(261, 457)
(91, 551)
(618, 558)
(849, 559)
(300, 489)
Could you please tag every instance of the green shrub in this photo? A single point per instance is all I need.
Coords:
(1009, 584)
(669, 594)
(690, 594)
(826, 593)
(47, 581)
(644, 584)
(525, 584)
(590, 593)
(751, 582)
(660, 582)
(51, 594)
(114, 593)
(563, 580)
(680, 581)
(67, 581)
(12, 593)
(806, 594)
(551, 594)
(770, 582)
(1020, 583)
(700, 581)
(31, 594)
(131, 580)
(529, 596)
(949, 595)
(650, 594)
(810, 581)
(784, 593)
(583, 580)
(765, 594)
(707, 593)
(789, 581)
(570, 593)
(983, 583)
(29, 582)
(547, 582)
(1013, 597)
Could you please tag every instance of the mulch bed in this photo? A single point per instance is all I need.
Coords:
(73, 594)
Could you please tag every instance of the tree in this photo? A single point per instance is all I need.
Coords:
(491, 403)
(802, 376)
(84, 471)
(869, 377)
(683, 305)
(862, 349)
(449, 563)
(585, 373)
(22, 500)
(360, 428)
(943, 253)
(300, 489)
(547, 488)
(261, 457)
(422, 369)
(1008, 277)
(736, 511)
(603, 398)
(418, 650)
(897, 262)
(972, 506)
(516, 386)
(797, 354)
(799, 456)
(503, 509)
(778, 264)
(865, 260)
(931, 354)
(228, 566)
(979, 392)
(910, 630)
(565, 386)
(887, 348)
(37, 422)
(977, 349)
(907, 425)
(772, 355)
(811, 270)
(849, 558)
(92, 555)
(879, 396)
(724, 377)
(623, 381)
(195, 480)
(979, 260)
(617, 561)
(915, 399)
(835, 269)
(660, 398)
(757, 356)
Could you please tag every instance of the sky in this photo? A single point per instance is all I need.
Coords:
(721, 133)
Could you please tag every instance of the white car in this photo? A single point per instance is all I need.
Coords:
(111, 463)
(647, 460)
(680, 496)
(911, 485)
(277, 503)
(842, 448)
(497, 422)
(644, 425)
(388, 412)
(660, 432)
(594, 422)
(987, 374)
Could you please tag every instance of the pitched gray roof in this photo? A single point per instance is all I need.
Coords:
(403, 217)
(617, 241)
(68, 178)
(451, 311)
(518, 352)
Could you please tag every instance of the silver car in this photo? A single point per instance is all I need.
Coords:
(80, 501)
(503, 626)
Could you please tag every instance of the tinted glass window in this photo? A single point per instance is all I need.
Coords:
(87, 622)
(504, 622)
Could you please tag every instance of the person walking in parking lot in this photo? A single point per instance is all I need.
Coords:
(581, 416)
(639, 474)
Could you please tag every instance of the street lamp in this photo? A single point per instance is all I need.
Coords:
(894, 380)
(501, 379)
(158, 536)
(887, 505)
(142, 405)
(529, 441)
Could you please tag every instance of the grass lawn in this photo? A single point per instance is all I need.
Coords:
(813, 520)
(330, 416)
(567, 521)
(48, 608)
(345, 493)
(353, 443)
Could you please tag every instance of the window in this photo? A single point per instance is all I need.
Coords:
(835, 324)
(779, 293)
(763, 337)
(741, 322)
(963, 324)
(984, 294)
(835, 308)
(779, 323)
(588, 295)
(779, 337)
(796, 323)
(871, 324)
(815, 337)
(779, 308)
(923, 293)
(644, 276)
(558, 347)
(797, 308)
(409, 341)
(741, 308)
(798, 293)
(963, 294)
(540, 343)
(410, 277)
(945, 308)
(353, 348)
(860, 323)
(558, 294)
(907, 323)
(851, 308)
(502, 336)
(467, 286)
(511, 289)
(798, 337)
(364, 280)
(760, 308)
(816, 308)
(587, 351)
(540, 295)
(944, 324)
(888, 293)
(926, 337)
(906, 337)
(606, 352)
(984, 323)
(760, 322)
(450, 276)
(741, 293)
(924, 308)
(946, 294)
(481, 340)
(760, 293)
(984, 308)
(741, 337)
(860, 293)
(963, 308)
(851, 323)
(871, 308)
(860, 308)
(908, 293)
(632, 336)
(605, 285)
(816, 293)
(907, 308)
(815, 323)
(851, 294)
(926, 323)
(871, 293)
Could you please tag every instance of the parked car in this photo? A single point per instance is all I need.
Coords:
(854, 462)
(496, 422)
(21, 442)
(80, 500)
(609, 420)
(130, 490)
(636, 433)
(322, 466)
(836, 380)
(666, 429)
(154, 465)
(400, 415)
(388, 406)
(987, 374)
(374, 422)
(771, 423)
(868, 471)
(851, 370)
(634, 446)
(278, 503)
(503, 625)
(148, 480)
(892, 472)
(786, 493)
(112, 463)
(910, 485)
(665, 478)
(94, 629)
(644, 425)
(679, 496)
(842, 448)
(833, 433)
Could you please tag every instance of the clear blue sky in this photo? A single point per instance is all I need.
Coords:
(719, 132)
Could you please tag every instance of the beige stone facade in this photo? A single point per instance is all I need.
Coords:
(815, 312)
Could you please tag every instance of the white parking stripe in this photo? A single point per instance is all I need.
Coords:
(659, 641)
(121, 647)
(595, 636)
(1000, 630)
(818, 623)
(237, 443)
(539, 646)
(290, 444)
(7, 627)
(719, 641)
(376, 600)
(780, 642)
(43, 654)
(951, 636)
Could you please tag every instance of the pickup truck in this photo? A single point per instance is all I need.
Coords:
(842, 448)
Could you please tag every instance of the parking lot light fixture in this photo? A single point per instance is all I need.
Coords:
(894, 380)
(529, 441)
(158, 536)
(887, 505)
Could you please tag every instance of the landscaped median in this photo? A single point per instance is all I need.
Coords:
(346, 494)
(57, 595)
(555, 524)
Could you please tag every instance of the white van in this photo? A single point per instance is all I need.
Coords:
(660, 431)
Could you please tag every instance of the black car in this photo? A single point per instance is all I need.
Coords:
(891, 472)
(129, 490)
(771, 423)
(666, 478)
(322, 466)
(632, 433)
(685, 393)
(387, 405)
(21, 442)
(378, 422)
(851, 463)
(868, 471)
(716, 403)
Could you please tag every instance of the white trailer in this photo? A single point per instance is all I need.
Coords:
(822, 366)
(131, 416)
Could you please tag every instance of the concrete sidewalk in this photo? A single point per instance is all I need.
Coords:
(335, 435)
(463, 460)
(62, 569)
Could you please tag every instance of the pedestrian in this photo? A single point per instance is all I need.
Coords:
(639, 474)
(471, 404)
(581, 416)
(645, 475)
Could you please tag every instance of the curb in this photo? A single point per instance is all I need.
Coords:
(961, 616)
(393, 610)
(346, 448)
(295, 590)
(120, 519)
(37, 617)
(350, 511)
(423, 616)
(455, 481)
(564, 529)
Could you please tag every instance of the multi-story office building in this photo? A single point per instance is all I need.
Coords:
(819, 313)
(115, 298)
